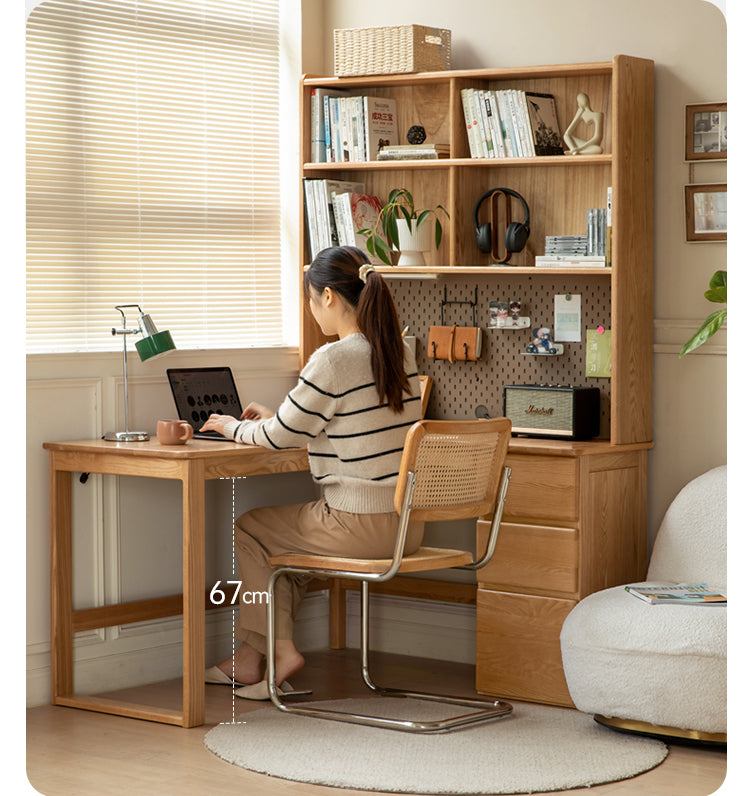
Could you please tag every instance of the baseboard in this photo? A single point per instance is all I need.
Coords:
(424, 628)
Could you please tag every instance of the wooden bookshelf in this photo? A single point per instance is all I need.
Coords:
(558, 190)
(587, 501)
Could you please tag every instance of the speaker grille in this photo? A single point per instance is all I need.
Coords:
(550, 411)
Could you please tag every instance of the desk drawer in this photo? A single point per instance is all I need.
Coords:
(518, 647)
(530, 557)
(542, 487)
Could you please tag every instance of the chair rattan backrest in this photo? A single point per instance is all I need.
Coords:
(458, 465)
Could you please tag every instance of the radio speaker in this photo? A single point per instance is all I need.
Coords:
(557, 412)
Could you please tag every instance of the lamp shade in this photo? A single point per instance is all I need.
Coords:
(154, 345)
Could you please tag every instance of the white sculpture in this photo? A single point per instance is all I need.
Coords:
(585, 146)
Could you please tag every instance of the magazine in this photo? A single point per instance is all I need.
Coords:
(681, 594)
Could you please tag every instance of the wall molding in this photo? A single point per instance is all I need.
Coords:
(670, 335)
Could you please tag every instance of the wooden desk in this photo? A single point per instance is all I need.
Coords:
(193, 464)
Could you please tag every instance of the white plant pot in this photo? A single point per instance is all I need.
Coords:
(413, 243)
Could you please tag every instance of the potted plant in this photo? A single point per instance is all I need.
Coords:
(404, 229)
(717, 292)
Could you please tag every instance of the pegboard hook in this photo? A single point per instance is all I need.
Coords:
(472, 304)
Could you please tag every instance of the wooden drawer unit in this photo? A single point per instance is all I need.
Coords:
(574, 523)
(518, 646)
(543, 487)
(533, 557)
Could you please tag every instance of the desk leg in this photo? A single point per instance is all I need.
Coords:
(61, 581)
(193, 593)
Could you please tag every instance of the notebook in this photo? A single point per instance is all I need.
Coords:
(200, 392)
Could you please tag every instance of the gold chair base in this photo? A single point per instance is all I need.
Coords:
(632, 725)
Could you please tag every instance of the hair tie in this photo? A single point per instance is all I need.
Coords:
(364, 270)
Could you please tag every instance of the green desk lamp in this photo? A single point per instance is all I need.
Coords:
(153, 344)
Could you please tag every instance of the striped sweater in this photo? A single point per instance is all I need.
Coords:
(354, 443)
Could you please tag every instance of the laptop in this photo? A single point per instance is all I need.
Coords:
(201, 392)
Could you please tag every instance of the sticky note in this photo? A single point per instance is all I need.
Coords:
(599, 353)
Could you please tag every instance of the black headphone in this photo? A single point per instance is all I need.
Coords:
(516, 234)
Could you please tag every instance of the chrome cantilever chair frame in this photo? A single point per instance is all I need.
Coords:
(483, 710)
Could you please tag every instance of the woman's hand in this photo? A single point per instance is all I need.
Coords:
(217, 423)
(255, 411)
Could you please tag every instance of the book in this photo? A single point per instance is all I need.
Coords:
(682, 594)
(467, 100)
(380, 125)
(544, 124)
(354, 211)
(319, 122)
(562, 261)
(608, 247)
(485, 141)
(414, 152)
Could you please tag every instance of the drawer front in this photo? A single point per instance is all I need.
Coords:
(518, 647)
(542, 487)
(533, 557)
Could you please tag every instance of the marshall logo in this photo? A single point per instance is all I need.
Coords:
(537, 410)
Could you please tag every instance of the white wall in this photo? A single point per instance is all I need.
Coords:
(687, 41)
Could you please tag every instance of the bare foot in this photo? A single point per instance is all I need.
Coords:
(245, 666)
(288, 660)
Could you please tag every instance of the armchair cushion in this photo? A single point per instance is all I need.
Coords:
(662, 664)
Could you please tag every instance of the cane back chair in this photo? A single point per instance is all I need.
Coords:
(449, 471)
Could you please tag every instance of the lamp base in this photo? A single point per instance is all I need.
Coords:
(127, 436)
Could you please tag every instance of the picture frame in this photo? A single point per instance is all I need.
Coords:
(706, 131)
(706, 212)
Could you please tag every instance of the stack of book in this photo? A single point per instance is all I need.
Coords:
(346, 128)
(414, 152)
(334, 212)
(561, 251)
(509, 123)
(596, 225)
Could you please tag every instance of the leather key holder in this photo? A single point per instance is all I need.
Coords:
(455, 343)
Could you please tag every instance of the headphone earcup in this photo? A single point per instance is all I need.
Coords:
(516, 236)
(484, 238)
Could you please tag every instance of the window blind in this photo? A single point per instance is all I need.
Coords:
(153, 171)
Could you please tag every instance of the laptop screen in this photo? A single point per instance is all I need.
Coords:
(200, 392)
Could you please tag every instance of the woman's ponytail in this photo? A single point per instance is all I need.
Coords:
(347, 271)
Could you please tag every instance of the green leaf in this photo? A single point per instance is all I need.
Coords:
(423, 216)
(717, 288)
(381, 249)
(438, 233)
(707, 329)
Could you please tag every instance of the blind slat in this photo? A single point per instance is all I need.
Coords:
(152, 171)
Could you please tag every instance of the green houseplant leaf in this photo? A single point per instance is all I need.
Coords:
(400, 204)
(717, 293)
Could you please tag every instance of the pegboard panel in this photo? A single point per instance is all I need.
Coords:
(461, 386)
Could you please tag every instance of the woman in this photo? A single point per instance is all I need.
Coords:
(354, 403)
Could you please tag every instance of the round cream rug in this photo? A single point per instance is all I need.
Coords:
(535, 749)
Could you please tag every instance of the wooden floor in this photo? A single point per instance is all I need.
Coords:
(73, 751)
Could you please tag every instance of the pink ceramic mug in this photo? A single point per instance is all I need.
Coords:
(173, 432)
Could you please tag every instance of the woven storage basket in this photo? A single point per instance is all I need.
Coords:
(389, 50)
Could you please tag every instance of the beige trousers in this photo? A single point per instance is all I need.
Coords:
(303, 528)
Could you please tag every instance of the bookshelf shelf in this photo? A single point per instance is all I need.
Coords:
(559, 161)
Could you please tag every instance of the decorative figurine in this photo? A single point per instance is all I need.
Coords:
(543, 343)
(585, 146)
(416, 134)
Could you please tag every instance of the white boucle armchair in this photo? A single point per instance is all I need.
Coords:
(660, 669)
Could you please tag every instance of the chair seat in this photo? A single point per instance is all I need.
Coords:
(425, 558)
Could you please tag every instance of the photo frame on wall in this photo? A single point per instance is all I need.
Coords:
(706, 131)
(706, 212)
